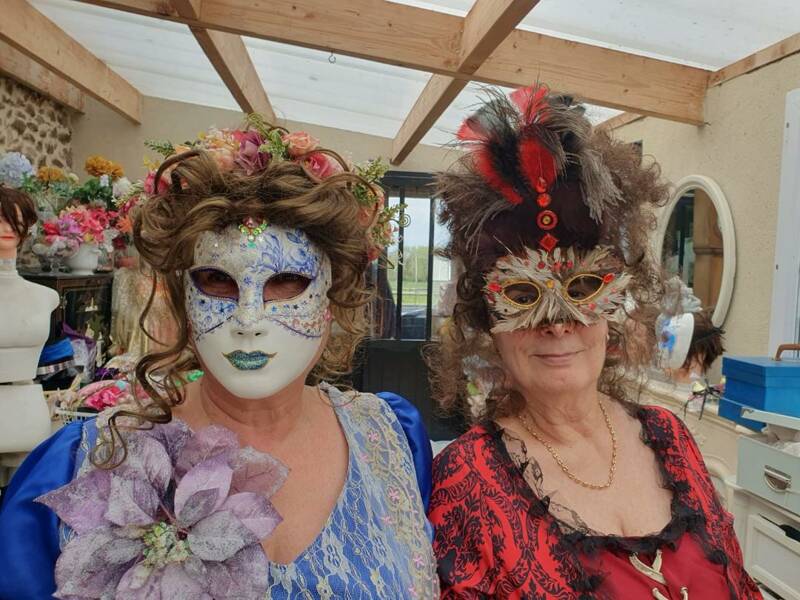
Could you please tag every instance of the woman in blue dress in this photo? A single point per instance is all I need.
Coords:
(259, 479)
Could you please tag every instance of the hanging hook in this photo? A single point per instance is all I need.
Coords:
(332, 58)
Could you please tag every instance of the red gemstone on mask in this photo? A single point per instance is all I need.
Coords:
(543, 200)
(548, 242)
(608, 278)
(547, 220)
(541, 265)
(570, 264)
(495, 287)
(592, 306)
(556, 266)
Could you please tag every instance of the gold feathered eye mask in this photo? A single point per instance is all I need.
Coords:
(565, 285)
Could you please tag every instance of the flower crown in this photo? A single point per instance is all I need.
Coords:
(251, 149)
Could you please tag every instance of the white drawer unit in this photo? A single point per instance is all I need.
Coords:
(772, 558)
(769, 473)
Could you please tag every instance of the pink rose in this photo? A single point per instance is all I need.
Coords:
(249, 157)
(299, 143)
(224, 157)
(321, 165)
(105, 397)
(149, 183)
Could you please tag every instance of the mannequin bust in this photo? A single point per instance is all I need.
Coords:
(25, 309)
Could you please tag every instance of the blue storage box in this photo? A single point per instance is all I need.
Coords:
(762, 383)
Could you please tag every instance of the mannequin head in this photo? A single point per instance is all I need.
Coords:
(17, 216)
(705, 345)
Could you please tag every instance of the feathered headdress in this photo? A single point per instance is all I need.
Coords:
(531, 153)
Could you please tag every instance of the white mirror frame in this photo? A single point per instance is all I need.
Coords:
(710, 187)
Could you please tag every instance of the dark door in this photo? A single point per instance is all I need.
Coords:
(409, 283)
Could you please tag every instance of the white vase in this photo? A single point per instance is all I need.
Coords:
(84, 261)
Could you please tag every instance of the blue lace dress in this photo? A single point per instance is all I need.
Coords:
(374, 545)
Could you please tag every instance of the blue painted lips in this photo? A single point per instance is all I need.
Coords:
(248, 361)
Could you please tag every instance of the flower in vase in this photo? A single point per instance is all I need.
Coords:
(183, 516)
(50, 228)
(124, 225)
(14, 169)
(50, 175)
(97, 166)
(121, 187)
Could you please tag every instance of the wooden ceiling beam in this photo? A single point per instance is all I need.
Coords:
(762, 58)
(486, 25)
(37, 37)
(17, 66)
(618, 121)
(231, 60)
(430, 41)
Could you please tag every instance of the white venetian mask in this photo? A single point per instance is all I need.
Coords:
(258, 306)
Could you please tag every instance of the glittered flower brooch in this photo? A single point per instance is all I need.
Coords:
(182, 517)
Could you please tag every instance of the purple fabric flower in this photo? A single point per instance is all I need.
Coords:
(249, 157)
(182, 517)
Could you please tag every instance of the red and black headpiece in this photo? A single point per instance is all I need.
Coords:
(536, 170)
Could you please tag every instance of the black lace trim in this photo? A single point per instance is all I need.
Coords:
(575, 541)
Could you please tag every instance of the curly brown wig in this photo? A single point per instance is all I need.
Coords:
(602, 194)
(203, 198)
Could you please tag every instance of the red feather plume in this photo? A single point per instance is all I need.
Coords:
(531, 102)
(536, 161)
(484, 166)
(469, 132)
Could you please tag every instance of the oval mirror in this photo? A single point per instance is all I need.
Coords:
(696, 242)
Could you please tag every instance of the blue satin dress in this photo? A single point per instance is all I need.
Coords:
(385, 437)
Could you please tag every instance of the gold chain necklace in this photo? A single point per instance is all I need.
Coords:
(525, 420)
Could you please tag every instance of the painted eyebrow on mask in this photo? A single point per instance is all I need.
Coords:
(280, 257)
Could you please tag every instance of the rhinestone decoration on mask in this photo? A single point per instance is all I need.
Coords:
(551, 271)
(251, 264)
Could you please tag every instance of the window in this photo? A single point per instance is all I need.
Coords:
(411, 281)
(785, 315)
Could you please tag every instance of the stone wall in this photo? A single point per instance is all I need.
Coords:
(34, 125)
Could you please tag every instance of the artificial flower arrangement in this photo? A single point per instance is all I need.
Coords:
(52, 189)
(74, 214)
(252, 148)
(182, 516)
(75, 225)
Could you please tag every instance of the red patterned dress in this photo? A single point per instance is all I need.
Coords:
(498, 536)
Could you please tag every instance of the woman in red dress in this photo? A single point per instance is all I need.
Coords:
(564, 488)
